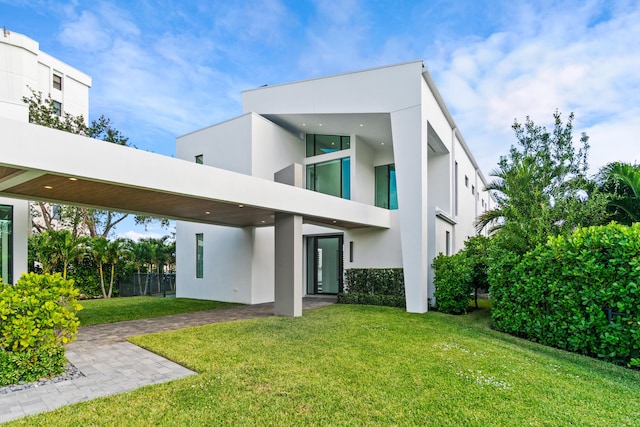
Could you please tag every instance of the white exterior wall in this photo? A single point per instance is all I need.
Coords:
(263, 265)
(227, 263)
(226, 145)
(273, 148)
(345, 93)
(24, 65)
(362, 172)
(374, 248)
(467, 208)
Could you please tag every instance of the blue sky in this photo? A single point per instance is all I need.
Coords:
(164, 68)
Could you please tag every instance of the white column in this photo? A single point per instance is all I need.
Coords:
(410, 155)
(288, 251)
(288, 268)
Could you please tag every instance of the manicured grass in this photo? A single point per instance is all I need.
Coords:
(111, 310)
(362, 365)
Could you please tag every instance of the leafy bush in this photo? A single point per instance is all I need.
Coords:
(374, 286)
(453, 282)
(38, 317)
(580, 293)
(31, 365)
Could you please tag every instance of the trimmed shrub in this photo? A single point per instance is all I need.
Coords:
(38, 317)
(580, 293)
(374, 286)
(453, 283)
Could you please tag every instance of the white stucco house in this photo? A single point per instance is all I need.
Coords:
(358, 170)
(23, 66)
(381, 137)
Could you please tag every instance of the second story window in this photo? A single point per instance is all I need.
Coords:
(332, 177)
(200, 159)
(323, 144)
(386, 192)
(58, 107)
(57, 81)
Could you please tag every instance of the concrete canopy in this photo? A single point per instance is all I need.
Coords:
(38, 163)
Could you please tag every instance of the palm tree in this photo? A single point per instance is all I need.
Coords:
(98, 249)
(622, 181)
(115, 249)
(68, 247)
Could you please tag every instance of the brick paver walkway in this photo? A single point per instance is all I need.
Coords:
(112, 365)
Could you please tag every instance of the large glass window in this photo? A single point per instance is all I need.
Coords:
(386, 190)
(199, 256)
(323, 144)
(6, 244)
(332, 177)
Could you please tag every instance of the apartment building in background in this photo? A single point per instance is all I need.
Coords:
(23, 67)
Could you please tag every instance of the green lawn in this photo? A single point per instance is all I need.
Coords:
(363, 365)
(111, 310)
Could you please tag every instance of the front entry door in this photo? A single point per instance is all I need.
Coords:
(324, 264)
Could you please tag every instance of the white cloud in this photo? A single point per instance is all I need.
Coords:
(549, 59)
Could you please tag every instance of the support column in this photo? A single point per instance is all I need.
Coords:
(288, 268)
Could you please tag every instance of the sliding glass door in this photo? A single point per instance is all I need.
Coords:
(324, 264)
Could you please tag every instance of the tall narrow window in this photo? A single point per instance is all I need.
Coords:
(200, 159)
(58, 107)
(448, 243)
(332, 177)
(6, 244)
(57, 82)
(199, 256)
(386, 193)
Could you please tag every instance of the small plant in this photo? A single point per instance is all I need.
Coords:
(38, 317)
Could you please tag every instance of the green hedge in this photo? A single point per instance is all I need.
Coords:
(37, 318)
(580, 293)
(374, 286)
(453, 282)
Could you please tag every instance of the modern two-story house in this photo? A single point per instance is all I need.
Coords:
(381, 137)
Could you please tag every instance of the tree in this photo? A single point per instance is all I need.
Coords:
(542, 188)
(114, 252)
(66, 247)
(622, 182)
(93, 222)
(98, 249)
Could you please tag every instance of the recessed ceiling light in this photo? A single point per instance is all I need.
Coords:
(334, 221)
(361, 125)
(319, 124)
(48, 187)
(304, 124)
(73, 179)
(382, 143)
(263, 221)
(207, 213)
(241, 206)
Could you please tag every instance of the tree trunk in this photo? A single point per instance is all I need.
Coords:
(113, 269)
(104, 293)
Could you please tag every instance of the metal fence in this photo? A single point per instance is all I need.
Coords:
(148, 284)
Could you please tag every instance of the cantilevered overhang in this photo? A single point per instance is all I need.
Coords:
(38, 163)
(372, 128)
